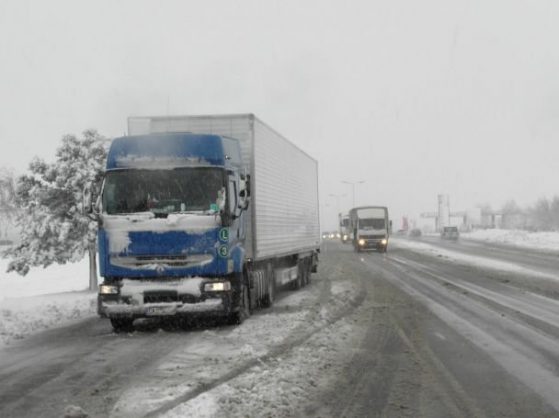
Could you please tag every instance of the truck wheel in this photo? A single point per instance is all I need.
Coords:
(270, 295)
(243, 312)
(297, 284)
(122, 325)
(308, 271)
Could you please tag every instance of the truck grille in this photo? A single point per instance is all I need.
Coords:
(167, 297)
(160, 297)
(372, 236)
(169, 261)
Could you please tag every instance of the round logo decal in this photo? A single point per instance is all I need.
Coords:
(224, 234)
(223, 251)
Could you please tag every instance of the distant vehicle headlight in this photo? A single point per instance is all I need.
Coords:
(361, 242)
(108, 289)
(384, 241)
(345, 237)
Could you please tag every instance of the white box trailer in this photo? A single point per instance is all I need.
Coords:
(283, 212)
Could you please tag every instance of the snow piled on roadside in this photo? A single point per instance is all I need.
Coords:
(43, 299)
(56, 278)
(524, 239)
(486, 262)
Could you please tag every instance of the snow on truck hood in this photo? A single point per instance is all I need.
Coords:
(118, 227)
(160, 163)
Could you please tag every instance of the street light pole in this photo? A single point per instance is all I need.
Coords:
(353, 183)
(337, 196)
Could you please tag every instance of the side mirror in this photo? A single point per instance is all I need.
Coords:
(91, 207)
(243, 200)
(87, 204)
(244, 191)
(245, 183)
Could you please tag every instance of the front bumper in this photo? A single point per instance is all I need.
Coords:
(118, 308)
(145, 299)
(372, 244)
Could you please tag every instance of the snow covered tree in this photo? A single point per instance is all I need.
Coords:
(541, 214)
(55, 226)
(8, 208)
(554, 208)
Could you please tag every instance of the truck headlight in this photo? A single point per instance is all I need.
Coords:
(217, 286)
(384, 241)
(361, 241)
(108, 289)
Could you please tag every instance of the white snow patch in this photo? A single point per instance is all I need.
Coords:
(136, 288)
(470, 259)
(524, 239)
(203, 406)
(159, 163)
(56, 278)
(44, 298)
(273, 385)
(119, 226)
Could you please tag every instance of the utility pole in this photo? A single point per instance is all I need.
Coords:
(353, 183)
(337, 197)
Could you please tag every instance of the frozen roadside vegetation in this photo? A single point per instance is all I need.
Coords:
(43, 299)
(538, 240)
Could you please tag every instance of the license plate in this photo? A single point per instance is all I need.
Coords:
(161, 310)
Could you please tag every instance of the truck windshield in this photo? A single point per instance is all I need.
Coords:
(372, 224)
(199, 189)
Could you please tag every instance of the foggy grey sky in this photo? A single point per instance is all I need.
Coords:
(416, 98)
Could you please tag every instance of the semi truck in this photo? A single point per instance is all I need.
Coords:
(344, 227)
(370, 228)
(203, 216)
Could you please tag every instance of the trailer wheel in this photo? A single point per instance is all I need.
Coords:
(243, 312)
(308, 271)
(121, 325)
(297, 284)
(270, 295)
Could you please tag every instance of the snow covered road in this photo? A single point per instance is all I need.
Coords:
(420, 331)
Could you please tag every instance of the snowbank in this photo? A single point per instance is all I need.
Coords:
(486, 262)
(56, 278)
(539, 240)
(43, 299)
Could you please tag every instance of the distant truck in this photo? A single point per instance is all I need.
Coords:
(450, 233)
(370, 228)
(344, 227)
(203, 215)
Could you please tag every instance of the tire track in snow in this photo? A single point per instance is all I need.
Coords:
(313, 324)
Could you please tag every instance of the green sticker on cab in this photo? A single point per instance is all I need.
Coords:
(223, 251)
(224, 234)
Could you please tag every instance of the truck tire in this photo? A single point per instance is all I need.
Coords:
(243, 310)
(309, 271)
(270, 295)
(121, 325)
(297, 284)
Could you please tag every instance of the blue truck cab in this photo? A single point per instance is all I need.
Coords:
(171, 231)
